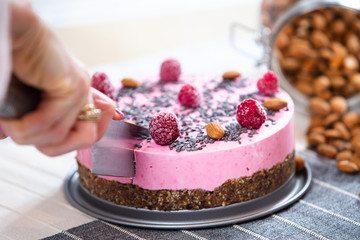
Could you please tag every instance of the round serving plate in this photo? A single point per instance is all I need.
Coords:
(281, 198)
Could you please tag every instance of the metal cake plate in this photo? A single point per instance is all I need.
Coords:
(279, 199)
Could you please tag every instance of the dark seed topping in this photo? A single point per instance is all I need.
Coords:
(193, 121)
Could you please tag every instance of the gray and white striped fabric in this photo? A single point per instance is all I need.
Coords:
(329, 210)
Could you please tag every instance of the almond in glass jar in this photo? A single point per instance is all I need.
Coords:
(331, 42)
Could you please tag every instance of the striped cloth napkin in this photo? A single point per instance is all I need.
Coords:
(329, 210)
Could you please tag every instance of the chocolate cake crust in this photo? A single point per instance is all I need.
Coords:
(232, 191)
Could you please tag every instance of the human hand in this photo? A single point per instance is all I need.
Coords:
(79, 137)
(41, 60)
(2, 134)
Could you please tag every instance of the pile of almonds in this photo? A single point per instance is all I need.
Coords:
(335, 132)
(319, 54)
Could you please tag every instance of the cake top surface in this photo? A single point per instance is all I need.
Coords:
(219, 101)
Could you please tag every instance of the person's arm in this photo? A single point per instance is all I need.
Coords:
(40, 59)
(5, 60)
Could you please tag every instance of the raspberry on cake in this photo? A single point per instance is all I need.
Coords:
(250, 114)
(189, 96)
(101, 82)
(164, 128)
(196, 171)
(170, 70)
(268, 84)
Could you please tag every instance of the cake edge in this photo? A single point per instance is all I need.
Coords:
(232, 191)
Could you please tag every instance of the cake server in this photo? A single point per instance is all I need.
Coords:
(19, 99)
(113, 154)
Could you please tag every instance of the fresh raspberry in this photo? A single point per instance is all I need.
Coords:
(250, 114)
(268, 84)
(170, 70)
(189, 96)
(101, 82)
(164, 128)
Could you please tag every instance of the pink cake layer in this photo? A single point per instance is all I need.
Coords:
(158, 167)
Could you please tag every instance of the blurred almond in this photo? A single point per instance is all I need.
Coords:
(339, 144)
(344, 155)
(315, 139)
(319, 106)
(332, 133)
(274, 104)
(331, 119)
(231, 75)
(130, 83)
(300, 163)
(344, 132)
(338, 104)
(326, 150)
(350, 119)
(347, 166)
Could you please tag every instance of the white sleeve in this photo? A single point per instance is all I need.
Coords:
(5, 48)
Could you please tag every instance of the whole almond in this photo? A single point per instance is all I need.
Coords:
(319, 106)
(326, 150)
(289, 64)
(318, 21)
(347, 166)
(215, 130)
(130, 83)
(326, 94)
(350, 119)
(338, 49)
(321, 84)
(315, 139)
(231, 75)
(339, 144)
(274, 104)
(351, 64)
(282, 40)
(319, 39)
(337, 82)
(344, 132)
(338, 104)
(339, 26)
(300, 49)
(331, 119)
(300, 163)
(319, 130)
(344, 155)
(332, 133)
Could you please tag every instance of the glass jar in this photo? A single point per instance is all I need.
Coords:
(314, 48)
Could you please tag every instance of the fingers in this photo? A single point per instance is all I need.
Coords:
(48, 124)
(118, 115)
(62, 133)
(107, 107)
(85, 133)
(2, 134)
